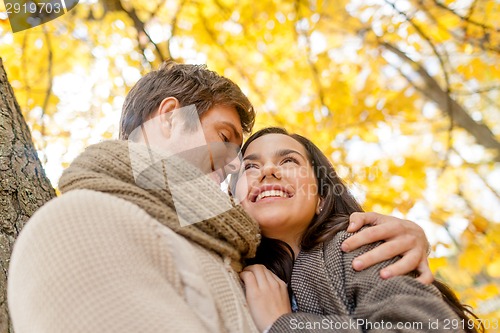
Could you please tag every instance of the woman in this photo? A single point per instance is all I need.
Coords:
(289, 187)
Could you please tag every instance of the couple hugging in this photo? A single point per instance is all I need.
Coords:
(143, 239)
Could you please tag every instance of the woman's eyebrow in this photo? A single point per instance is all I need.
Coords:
(284, 152)
(279, 153)
(251, 157)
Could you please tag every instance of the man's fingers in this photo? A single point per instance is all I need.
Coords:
(369, 235)
(426, 276)
(378, 254)
(402, 238)
(403, 266)
(357, 220)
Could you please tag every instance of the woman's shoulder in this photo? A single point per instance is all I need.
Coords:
(329, 251)
(333, 245)
(339, 263)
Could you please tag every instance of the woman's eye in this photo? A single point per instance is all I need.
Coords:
(249, 166)
(289, 159)
(224, 138)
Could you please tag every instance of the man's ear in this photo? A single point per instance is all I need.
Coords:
(165, 113)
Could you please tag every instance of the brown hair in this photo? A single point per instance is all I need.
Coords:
(338, 205)
(191, 85)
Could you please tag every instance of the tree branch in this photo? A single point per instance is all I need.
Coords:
(447, 108)
(50, 78)
(173, 25)
(116, 5)
(312, 65)
(433, 91)
(466, 18)
(481, 43)
(227, 54)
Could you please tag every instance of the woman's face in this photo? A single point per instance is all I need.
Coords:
(277, 186)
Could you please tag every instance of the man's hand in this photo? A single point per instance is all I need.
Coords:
(266, 294)
(402, 237)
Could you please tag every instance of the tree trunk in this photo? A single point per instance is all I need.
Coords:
(23, 185)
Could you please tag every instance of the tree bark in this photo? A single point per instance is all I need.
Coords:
(23, 185)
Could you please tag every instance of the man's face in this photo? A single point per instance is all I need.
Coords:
(210, 142)
(224, 135)
(215, 152)
(212, 147)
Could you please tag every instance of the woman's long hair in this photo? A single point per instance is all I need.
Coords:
(337, 205)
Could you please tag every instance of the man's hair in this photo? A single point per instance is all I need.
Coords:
(191, 85)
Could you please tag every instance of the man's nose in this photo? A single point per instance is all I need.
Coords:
(233, 165)
(232, 158)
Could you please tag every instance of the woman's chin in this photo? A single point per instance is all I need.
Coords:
(270, 222)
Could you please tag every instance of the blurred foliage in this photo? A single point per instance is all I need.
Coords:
(403, 96)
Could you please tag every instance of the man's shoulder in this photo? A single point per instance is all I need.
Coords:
(86, 202)
(88, 212)
(82, 198)
(80, 221)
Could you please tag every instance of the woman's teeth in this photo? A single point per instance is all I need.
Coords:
(271, 193)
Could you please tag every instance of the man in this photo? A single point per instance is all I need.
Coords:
(143, 239)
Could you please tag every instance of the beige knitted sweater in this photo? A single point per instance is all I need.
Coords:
(90, 261)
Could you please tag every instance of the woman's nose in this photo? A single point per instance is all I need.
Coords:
(271, 170)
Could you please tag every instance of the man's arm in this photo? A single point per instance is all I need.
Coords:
(401, 238)
(399, 304)
(88, 262)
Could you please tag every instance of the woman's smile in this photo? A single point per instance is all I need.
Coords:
(269, 191)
